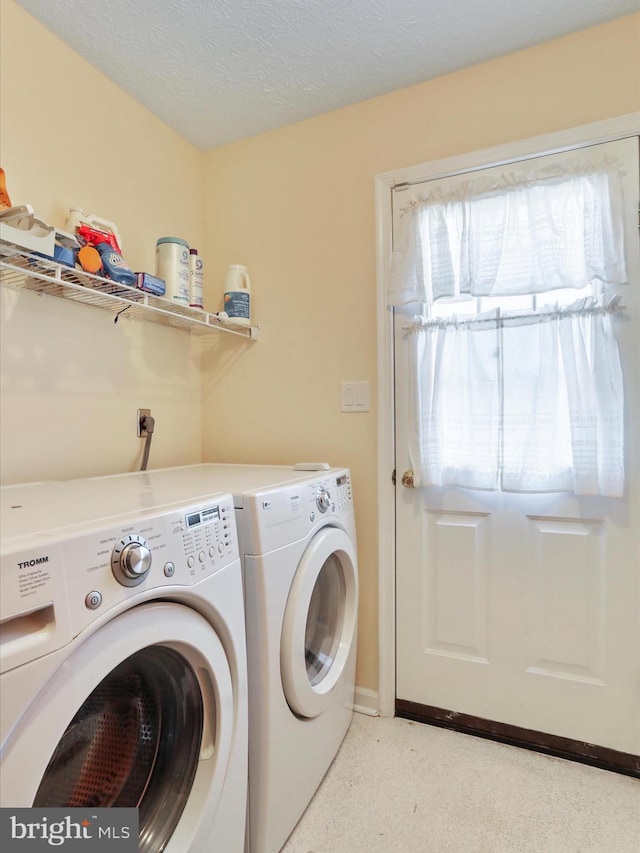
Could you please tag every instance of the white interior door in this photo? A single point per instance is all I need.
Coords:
(523, 609)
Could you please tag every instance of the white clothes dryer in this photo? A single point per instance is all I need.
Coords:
(123, 677)
(298, 544)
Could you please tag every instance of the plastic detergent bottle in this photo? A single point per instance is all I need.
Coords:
(78, 217)
(195, 279)
(114, 265)
(237, 295)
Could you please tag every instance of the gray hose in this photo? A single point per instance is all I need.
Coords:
(148, 424)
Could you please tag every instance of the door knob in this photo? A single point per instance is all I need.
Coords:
(407, 479)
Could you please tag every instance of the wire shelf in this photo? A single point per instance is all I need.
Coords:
(22, 270)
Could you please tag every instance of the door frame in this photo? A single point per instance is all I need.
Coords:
(607, 130)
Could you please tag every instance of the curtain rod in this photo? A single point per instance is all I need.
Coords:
(610, 307)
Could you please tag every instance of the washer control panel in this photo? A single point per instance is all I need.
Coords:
(342, 490)
(180, 547)
(57, 581)
(332, 496)
(273, 518)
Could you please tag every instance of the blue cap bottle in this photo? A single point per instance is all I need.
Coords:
(115, 267)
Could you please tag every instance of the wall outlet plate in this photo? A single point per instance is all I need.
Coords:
(142, 413)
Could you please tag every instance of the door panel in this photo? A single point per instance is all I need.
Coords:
(523, 609)
(566, 584)
(455, 592)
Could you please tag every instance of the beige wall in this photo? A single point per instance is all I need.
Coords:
(296, 205)
(71, 380)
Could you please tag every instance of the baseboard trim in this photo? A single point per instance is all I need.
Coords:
(561, 747)
(366, 701)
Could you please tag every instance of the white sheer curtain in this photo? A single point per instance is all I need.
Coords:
(454, 405)
(529, 403)
(555, 228)
(520, 401)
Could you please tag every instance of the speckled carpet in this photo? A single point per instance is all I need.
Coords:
(403, 787)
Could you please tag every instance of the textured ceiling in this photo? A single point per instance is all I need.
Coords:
(221, 70)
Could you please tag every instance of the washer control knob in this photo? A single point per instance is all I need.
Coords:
(323, 499)
(131, 560)
(135, 560)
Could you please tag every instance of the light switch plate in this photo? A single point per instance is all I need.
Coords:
(355, 397)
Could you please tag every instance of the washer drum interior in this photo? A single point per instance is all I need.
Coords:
(134, 742)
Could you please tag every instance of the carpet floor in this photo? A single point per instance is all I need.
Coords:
(403, 787)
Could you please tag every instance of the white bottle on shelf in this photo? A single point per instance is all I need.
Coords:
(196, 279)
(237, 296)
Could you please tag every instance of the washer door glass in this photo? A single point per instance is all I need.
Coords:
(134, 742)
(325, 620)
(319, 627)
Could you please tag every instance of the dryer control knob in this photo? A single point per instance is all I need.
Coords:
(323, 499)
(131, 560)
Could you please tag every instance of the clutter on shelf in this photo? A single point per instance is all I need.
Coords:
(88, 254)
(20, 269)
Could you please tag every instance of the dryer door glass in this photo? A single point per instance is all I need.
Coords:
(134, 742)
(318, 640)
(324, 620)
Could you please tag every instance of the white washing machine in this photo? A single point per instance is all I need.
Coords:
(297, 540)
(123, 677)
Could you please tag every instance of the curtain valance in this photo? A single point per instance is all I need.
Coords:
(558, 227)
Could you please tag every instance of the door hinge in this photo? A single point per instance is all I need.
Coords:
(393, 476)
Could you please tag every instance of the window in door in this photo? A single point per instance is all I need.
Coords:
(517, 383)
